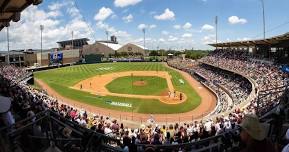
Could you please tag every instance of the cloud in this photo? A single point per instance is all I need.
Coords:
(209, 39)
(127, 18)
(243, 39)
(103, 13)
(167, 15)
(55, 6)
(207, 27)
(124, 3)
(165, 32)
(172, 38)
(161, 40)
(152, 26)
(177, 27)
(144, 26)
(124, 35)
(55, 28)
(236, 20)
(187, 35)
(187, 26)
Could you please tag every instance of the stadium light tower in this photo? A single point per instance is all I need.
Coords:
(144, 38)
(8, 44)
(264, 25)
(216, 24)
(106, 32)
(72, 40)
(41, 29)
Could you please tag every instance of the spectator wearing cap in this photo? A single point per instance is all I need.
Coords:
(253, 135)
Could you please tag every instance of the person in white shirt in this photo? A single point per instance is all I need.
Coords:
(227, 124)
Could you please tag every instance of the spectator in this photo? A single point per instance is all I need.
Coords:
(253, 135)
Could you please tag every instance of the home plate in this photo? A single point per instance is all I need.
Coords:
(200, 87)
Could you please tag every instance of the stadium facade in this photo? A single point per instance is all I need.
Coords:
(71, 51)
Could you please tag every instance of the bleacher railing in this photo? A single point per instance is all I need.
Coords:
(45, 131)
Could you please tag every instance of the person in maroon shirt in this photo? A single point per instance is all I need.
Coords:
(253, 135)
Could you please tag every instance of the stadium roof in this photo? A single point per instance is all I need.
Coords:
(68, 42)
(142, 47)
(273, 41)
(11, 10)
(111, 45)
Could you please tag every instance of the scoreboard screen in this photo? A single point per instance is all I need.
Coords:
(55, 58)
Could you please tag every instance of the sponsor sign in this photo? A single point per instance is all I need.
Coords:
(119, 104)
(104, 68)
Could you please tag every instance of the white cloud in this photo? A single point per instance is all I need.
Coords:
(103, 26)
(172, 38)
(209, 39)
(144, 26)
(124, 3)
(161, 40)
(55, 29)
(165, 32)
(103, 13)
(187, 26)
(243, 39)
(55, 6)
(128, 18)
(167, 15)
(207, 27)
(124, 35)
(177, 27)
(187, 35)
(236, 20)
(152, 26)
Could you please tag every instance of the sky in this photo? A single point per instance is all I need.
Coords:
(168, 24)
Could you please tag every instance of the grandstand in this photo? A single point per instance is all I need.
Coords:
(247, 77)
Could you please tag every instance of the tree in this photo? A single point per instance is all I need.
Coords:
(153, 53)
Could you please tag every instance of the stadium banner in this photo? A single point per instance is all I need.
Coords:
(119, 104)
(56, 57)
(285, 68)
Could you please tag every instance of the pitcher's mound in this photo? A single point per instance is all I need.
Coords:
(139, 83)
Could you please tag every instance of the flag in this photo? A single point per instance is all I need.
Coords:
(216, 20)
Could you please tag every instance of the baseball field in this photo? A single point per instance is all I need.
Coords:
(148, 88)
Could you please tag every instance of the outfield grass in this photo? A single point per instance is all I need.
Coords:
(124, 85)
(62, 78)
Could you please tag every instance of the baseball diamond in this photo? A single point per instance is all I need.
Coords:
(94, 84)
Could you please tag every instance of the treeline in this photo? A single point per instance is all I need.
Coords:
(191, 54)
(196, 54)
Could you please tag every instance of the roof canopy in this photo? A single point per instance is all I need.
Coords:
(113, 46)
(68, 42)
(11, 10)
(273, 41)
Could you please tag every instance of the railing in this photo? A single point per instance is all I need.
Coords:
(44, 131)
(216, 143)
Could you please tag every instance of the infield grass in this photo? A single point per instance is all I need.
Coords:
(62, 78)
(125, 85)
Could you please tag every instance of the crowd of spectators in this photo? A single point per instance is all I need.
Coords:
(28, 101)
(268, 77)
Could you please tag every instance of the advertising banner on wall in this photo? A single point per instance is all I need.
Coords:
(55, 57)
